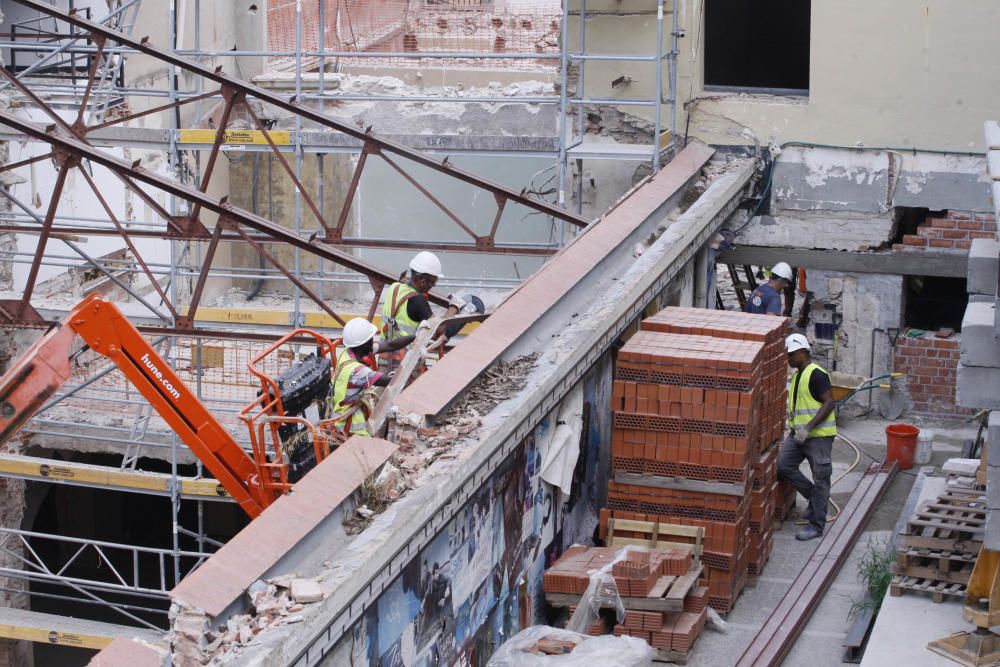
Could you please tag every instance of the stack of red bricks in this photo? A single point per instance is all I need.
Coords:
(635, 577)
(700, 395)
(952, 231)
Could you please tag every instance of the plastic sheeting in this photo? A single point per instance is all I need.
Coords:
(606, 651)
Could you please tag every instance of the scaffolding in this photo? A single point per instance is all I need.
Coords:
(55, 62)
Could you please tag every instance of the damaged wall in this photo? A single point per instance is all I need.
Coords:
(854, 196)
(480, 580)
(869, 305)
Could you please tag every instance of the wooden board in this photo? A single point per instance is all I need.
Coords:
(659, 534)
(681, 483)
(666, 598)
(414, 355)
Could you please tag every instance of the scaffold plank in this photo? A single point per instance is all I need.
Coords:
(84, 474)
(35, 626)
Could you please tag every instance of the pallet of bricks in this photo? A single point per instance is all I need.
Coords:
(940, 544)
(699, 405)
(663, 605)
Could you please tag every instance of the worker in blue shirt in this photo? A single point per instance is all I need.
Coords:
(766, 299)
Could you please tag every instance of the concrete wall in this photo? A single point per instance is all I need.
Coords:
(881, 74)
(480, 580)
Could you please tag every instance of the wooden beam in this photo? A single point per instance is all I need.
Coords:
(679, 483)
(414, 355)
(905, 263)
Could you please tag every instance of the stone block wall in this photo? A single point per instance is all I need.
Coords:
(954, 231)
(931, 368)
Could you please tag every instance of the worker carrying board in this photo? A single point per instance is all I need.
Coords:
(766, 299)
(812, 424)
(406, 303)
(352, 397)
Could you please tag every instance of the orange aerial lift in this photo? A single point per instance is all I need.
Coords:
(254, 481)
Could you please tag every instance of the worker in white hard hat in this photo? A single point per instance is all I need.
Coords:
(812, 424)
(406, 303)
(354, 379)
(766, 299)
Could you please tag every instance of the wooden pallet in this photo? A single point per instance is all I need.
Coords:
(656, 535)
(667, 595)
(930, 570)
(954, 522)
(939, 590)
(948, 563)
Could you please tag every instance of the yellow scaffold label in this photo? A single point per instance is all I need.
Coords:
(237, 137)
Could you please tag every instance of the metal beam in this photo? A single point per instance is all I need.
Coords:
(900, 263)
(74, 146)
(776, 637)
(445, 246)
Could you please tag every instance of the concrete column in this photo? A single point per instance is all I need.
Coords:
(704, 278)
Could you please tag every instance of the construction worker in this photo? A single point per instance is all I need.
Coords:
(766, 299)
(353, 380)
(406, 303)
(812, 425)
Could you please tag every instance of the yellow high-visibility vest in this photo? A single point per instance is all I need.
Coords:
(351, 414)
(396, 321)
(802, 407)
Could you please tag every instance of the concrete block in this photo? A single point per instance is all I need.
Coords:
(306, 590)
(799, 230)
(984, 260)
(980, 345)
(992, 490)
(978, 387)
(967, 467)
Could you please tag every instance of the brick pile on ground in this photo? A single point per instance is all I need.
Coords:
(635, 577)
(700, 395)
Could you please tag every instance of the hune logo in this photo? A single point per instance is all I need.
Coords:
(158, 374)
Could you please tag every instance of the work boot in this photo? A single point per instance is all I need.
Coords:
(807, 533)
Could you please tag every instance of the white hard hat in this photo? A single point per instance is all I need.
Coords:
(426, 262)
(782, 270)
(796, 342)
(358, 331)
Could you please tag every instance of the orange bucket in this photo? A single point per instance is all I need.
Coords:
(900, 444)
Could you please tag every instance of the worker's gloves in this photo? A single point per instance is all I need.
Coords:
(424, 324)
(800, 433)
(456, 302)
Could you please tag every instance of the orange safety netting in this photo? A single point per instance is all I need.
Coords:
(398, 26)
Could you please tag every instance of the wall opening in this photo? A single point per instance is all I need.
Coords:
(112, 516)
(757, 45)
(933, 303)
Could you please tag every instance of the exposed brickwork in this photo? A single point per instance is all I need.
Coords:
(955, 231)
(931, 368)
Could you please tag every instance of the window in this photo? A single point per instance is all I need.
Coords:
(760, 45)
(935, 303)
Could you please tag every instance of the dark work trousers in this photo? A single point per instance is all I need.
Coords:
(819, 452)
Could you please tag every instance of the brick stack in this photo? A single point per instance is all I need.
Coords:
(635, 577)
(700, 395)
